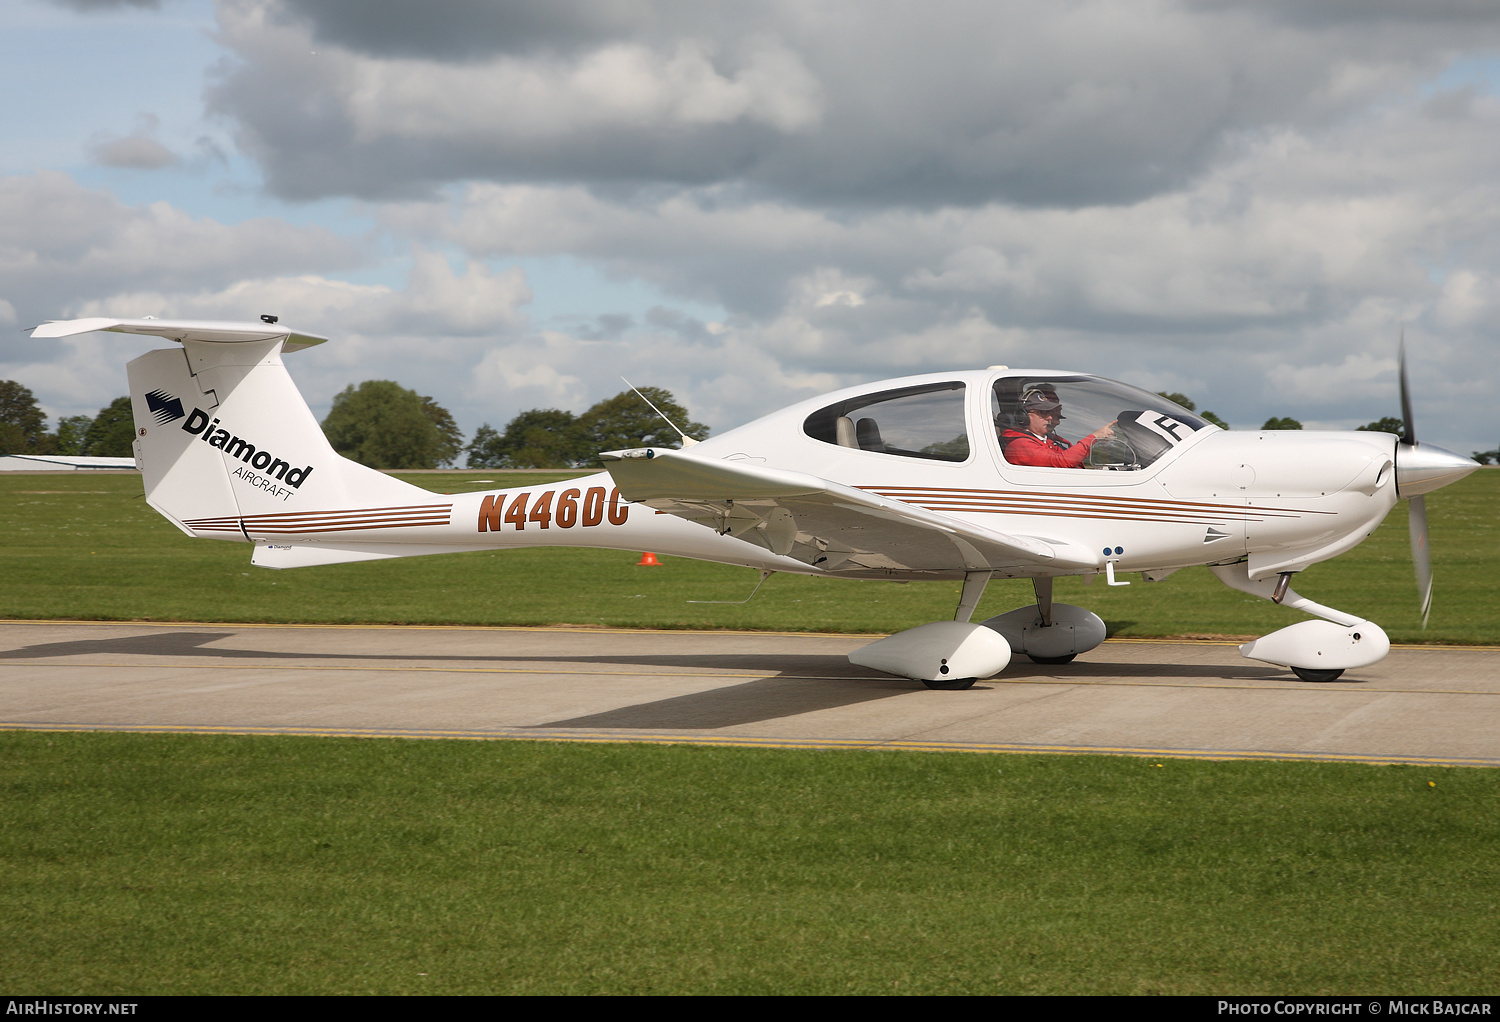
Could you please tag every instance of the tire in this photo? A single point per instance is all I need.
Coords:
(1052, 659)
(951, 684)
(1314, 674)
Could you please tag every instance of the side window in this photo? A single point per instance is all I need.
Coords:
(914, 422)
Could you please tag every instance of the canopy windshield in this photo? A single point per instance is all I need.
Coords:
(1145, 425)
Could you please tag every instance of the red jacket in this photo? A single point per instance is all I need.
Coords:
(1023, 448)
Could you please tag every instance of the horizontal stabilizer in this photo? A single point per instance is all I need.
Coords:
(182, 330)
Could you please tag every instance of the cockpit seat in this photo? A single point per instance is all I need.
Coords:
(843, 429)
(867, 431)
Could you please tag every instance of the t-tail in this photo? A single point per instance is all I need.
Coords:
(228, 448)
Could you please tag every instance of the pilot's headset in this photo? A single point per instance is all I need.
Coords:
(1036, 395)
(1041, 397)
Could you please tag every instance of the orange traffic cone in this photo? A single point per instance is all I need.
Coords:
(648, 560)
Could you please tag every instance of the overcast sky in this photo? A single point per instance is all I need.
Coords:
(511, 205)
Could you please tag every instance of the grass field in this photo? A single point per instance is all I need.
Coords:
(87, 546)
(212, 864)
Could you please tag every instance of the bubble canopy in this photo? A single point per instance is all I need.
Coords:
(928, 421)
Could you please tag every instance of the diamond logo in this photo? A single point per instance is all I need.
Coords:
(164, 406)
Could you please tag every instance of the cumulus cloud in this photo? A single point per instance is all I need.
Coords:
(134, 151)
(1030, 103)
(62, 244)
(66, 249)
(334, 120)
(138, 151)
(1362, 374)
(1306, 249)
(1267, 239)
(470, 29)
(431, 333)
(520, 103)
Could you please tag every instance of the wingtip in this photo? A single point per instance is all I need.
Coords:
(70, 327)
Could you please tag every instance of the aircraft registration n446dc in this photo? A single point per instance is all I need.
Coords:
(968, 476)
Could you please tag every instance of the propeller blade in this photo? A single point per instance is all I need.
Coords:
(1421, 468)
(1416, 517)
(1408, 429)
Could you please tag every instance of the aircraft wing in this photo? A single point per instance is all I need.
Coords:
(823, 523)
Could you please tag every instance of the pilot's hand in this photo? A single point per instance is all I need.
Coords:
(1106, 432)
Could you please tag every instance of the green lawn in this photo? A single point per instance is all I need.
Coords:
(86, 546)
(150, 864)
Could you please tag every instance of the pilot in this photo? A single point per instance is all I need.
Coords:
(1038, 443)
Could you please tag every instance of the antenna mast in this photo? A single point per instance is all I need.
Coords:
(687, 441)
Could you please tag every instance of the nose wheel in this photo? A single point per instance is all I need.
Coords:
(1312, 674)
(951, 684)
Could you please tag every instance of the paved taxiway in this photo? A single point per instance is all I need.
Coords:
(1420, 705)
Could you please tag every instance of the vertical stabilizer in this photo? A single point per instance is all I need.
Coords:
(223, 436)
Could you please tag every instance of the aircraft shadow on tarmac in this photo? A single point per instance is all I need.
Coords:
(794, 684)
(802, 666)
(795, 693)
(743, 703)
(196, 644)
(156, 644)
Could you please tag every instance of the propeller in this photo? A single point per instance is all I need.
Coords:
(1421, 468)
(1416, 512)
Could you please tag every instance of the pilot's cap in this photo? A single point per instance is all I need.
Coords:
(1040, 399)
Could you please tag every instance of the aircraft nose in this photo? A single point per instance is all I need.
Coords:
(1422, 468)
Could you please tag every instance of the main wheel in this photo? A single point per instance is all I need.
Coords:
(1052, 659)
(1313, 674)
(951, 684)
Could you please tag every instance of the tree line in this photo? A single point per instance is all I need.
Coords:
(23, 427)
(382, 424)
(552, 438)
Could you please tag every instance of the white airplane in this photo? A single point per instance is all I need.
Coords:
(940, 476)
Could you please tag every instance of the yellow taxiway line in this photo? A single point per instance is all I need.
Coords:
(737, 741)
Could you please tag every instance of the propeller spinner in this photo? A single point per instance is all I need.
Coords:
(1420, 469)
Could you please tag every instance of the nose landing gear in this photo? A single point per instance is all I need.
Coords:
(1315, 651)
